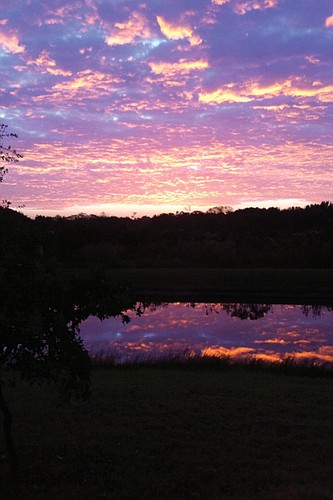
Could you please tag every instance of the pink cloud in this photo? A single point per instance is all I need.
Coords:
(127, 32)
(329, 22)
(47, 64)
(244, 6)
(251, 90)
(178, 31)
(11, 43)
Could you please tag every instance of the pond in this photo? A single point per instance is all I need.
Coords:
(265, 331)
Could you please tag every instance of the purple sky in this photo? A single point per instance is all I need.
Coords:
(124, 106)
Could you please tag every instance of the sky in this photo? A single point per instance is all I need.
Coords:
(127, 107)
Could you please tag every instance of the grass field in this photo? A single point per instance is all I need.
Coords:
(186, 432)
(225, 285)
(177, 433)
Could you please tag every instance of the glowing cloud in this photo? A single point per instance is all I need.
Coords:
(220, 2)
(242, 7)
(251, 91)
(86, 84)
(222, 95)
(10, 43)
(178, 31)
(329, 22)
(127, 32)
(182, 67)
(47, 64)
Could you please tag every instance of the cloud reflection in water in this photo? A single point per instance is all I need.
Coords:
(268, 332)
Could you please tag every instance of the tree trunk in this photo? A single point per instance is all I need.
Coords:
(7, 428)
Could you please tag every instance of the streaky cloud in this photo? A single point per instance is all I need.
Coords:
(207, 103)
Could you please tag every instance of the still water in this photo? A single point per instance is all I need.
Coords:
(269, 332)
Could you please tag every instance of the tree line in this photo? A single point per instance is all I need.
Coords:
(251, 237)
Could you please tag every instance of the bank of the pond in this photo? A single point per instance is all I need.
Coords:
(169, 432)
(227, 285)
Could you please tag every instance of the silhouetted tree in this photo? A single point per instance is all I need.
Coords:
(7, 153)
(220, 210)
(40, 318)
(247, 311)
(40, 312)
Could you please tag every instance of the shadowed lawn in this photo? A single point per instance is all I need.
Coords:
(182, 433)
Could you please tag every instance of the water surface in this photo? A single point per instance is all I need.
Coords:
(269, 332)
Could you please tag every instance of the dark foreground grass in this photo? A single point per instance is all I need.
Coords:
(177, 433)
